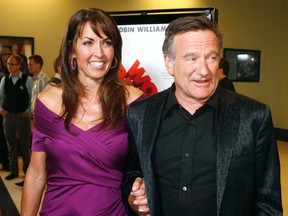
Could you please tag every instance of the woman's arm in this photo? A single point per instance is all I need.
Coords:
(35, 181)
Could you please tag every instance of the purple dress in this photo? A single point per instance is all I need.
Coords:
(84, 172)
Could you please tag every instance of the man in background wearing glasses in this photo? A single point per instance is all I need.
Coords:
(15, 103)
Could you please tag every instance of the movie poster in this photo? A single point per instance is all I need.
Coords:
(142, 58)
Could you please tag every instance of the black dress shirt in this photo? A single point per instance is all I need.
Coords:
(184, 159)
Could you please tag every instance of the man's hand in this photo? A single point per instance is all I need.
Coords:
(137, 198)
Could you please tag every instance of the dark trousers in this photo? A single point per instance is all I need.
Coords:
(3, 146)
(17, 126)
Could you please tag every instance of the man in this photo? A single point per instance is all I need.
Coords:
(224, 81)
(35, 63)
(56, 79)
(4, 160)
(203, 150)
(15, 98)
(16, 49)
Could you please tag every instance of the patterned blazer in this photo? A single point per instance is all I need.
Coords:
(248, 170)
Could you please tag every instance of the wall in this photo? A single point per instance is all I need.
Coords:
(246, 24)
(283, 73)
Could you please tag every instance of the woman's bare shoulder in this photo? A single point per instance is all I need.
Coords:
(52, 98)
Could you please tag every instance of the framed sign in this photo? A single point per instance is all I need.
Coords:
(244, 64)
(23, 46)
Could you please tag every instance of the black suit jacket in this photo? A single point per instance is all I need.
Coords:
(248, 170)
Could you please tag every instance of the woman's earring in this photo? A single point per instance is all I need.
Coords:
(115, 63)
(73, 63)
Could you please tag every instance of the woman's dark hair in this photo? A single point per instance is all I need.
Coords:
(112, 92)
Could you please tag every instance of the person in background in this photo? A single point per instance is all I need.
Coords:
(15, 102)
(3, 61)
(224, 81)
(200, 148)
(17, 50)
(4, 160)
(35, 64)
(56, 79)
(80, 140)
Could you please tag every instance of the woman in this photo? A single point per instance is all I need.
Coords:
(79, 136)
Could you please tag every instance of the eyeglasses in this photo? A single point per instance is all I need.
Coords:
(12, 64)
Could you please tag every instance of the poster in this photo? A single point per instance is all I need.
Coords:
(143, 35)
(142, 57)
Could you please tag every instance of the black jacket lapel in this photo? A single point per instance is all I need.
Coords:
(228, 123)
(152, 117)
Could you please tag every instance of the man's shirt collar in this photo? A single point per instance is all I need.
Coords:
(172, 103)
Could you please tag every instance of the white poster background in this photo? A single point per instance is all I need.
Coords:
(144, 42)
